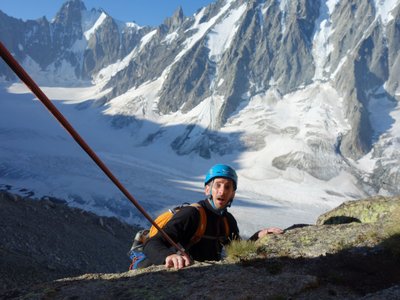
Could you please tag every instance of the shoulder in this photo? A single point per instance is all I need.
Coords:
(186, 212)
(183, 223)
(230, 218)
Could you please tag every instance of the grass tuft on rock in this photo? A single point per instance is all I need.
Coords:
(239, 250)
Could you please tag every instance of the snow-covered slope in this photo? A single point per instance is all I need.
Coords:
(301, 99)
(39, 156)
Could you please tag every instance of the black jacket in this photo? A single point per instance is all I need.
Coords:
(181, 229)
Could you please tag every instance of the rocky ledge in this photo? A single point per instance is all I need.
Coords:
(352, 252)
(44, 240)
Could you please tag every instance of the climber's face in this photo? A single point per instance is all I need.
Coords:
(222, 191)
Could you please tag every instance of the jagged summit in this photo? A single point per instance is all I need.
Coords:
(176, 20)
(70, 9)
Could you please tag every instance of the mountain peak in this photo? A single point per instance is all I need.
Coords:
(70, 9)
(176, 20)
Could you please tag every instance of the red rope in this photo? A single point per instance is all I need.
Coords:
(25, 78)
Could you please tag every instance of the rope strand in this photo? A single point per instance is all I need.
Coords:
(30, 83)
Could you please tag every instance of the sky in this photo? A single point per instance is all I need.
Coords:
(142, 12)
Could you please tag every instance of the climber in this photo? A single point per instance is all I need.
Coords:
(220, 185)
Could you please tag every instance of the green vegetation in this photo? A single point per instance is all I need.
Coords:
(241, 250)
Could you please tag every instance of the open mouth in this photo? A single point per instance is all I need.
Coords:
(220, 201)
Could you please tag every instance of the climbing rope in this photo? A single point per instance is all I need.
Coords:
(30, 83)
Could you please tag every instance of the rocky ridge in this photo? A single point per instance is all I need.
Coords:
(44, 240)
(350, 253)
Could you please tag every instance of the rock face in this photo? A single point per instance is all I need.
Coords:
(354, 260)
(356, 225)
(43, 240)
(372, 210)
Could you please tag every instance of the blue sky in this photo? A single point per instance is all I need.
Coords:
(143, 12)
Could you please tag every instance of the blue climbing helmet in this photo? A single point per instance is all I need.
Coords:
(221, 170)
